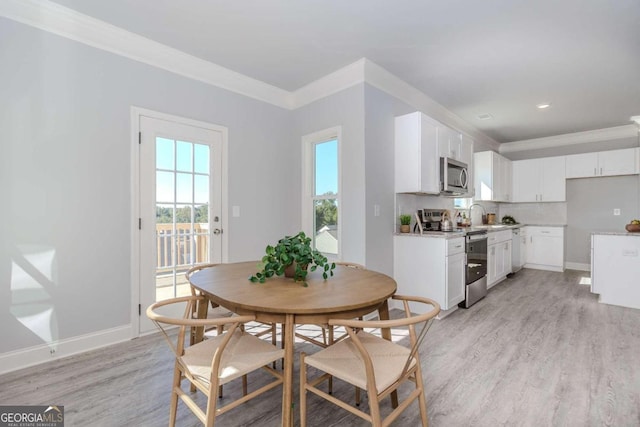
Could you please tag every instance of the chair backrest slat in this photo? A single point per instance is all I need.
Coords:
(409, 321)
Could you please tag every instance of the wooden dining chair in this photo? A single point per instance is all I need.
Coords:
(215, 311)
(328, 332)
(215, 361)
(372, 363)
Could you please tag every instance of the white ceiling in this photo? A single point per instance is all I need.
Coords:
(500, 57)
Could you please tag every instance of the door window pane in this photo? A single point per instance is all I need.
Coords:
(184, 191)
(164, 187)
(201, 189)
(201, 158)
(184, 235)
(164, 153)
(184, 156)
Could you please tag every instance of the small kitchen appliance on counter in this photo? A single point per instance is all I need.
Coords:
(433, 220)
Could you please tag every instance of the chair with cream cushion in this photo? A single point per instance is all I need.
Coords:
(215, 361)
(328, 331)
(372, 363)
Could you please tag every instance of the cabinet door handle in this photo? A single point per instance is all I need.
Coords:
(595, 172)
(600, 171)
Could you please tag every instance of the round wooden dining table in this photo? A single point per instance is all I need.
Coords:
(350, 293)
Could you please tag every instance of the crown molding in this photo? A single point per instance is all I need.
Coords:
(341, 79)
(387, 82)
(49, 16)
(54, 18)
(598, 135)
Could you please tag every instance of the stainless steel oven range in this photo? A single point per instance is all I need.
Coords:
(476, 275)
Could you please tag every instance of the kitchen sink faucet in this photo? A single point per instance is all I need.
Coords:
(484, 213)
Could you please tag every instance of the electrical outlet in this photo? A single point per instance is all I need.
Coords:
(616, 212)
(376, 210)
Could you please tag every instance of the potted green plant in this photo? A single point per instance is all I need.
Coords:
(405, 223)
(293, 256)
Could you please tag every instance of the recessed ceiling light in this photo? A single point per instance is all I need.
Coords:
(544, 105)
(485, 116)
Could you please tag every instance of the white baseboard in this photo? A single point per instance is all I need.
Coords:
(23, 358)
(577, 266)
(544, 267)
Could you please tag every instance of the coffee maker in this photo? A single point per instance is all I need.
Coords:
(428, 220)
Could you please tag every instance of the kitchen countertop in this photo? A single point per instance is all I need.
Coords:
(616, 233)
(462, 231)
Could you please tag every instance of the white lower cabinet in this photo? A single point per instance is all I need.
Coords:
(615, 268)
(545, 248)
(431, 267)
(498, 256)
(456, 269)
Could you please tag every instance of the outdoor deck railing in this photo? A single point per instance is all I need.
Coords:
(185, 246)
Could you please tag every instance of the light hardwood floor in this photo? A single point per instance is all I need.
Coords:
(539, 350)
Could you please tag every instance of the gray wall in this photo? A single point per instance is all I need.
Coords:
(346, 109)
(590, 204)
(380, 112)
(65, 180)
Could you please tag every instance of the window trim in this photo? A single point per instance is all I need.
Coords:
(308, 176)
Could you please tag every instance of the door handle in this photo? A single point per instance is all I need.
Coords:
(217, 231)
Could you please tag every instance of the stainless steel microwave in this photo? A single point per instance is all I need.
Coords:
(454, 177)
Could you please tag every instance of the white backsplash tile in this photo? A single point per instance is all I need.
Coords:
(535, 213)
(526, 213)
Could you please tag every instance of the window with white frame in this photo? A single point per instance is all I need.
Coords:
(321, 201)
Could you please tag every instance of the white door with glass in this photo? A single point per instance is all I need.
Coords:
(180, 206)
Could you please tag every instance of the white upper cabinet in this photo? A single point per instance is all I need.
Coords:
(539, 180)
(417, 164)
(492, 177)
(582, 165)
(449, 143)
(466, 157)
(420, 141)
(603, 163)
(506, 173)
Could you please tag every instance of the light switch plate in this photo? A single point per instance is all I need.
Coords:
(235, 211)
(616, 211)
(376, 210)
